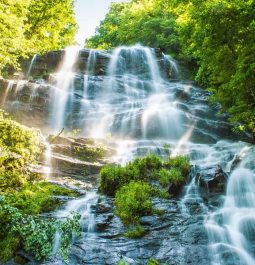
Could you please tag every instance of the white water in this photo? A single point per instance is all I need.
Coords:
(231, 228)
(7, 91)
(91, 62)
(83, 207)
(31, 66)
(138, 112)
(63, 91)
(47, 168)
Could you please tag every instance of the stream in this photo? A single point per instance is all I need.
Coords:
(127, 98)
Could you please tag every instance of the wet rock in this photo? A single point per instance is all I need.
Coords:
(103, 222)
(175, 189)
(50, 62)
(182, 95)
(219, 181)
(214, 182)
(102, 208)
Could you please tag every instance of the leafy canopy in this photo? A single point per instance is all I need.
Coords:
(34, 26)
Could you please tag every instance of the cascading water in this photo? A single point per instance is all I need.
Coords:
(31, 66)
(91, 62)
(231, 229)
(83, 207)
(7, 91)
(130, 105)
(63, 91)
(138, 111)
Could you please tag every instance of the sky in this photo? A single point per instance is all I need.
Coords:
(89, 13)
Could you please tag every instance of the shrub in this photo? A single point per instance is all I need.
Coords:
(19, 146)
(180, 162)
(26, 196)
(148, 169)
(147, 165)
(174, 175)
(113, 177)
(19, 139)
(133, 201)
(34, 233)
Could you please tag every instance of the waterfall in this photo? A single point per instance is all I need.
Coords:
(91, 62)
(231, 229)
(7, 91)
(63, 91)
(173, 65)
(83, 207)
(31, 66)
(132, 106)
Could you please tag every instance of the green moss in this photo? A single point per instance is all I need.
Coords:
(91, 154)
(136, 232)
(37, 198)
(8, 245)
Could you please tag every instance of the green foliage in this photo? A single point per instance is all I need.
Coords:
(50, 24)
(35, 26)
(24, 196)
(37, 197)
(179, 162)
(153, 262)
(215, 36)
(149, 22)
(12, 15)
(150, 168)
(113, 177)
(173, 175)
(135, 232)
(35, 234)
(19, 146)
(19, 139)
(133, 201)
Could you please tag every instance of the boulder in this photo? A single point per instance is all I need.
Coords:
(214, 181)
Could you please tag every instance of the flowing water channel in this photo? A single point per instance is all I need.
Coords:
(141, 111)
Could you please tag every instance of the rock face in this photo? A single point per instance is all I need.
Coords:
(31, 103)
(76, 161)
(172, 238)
(50, 62)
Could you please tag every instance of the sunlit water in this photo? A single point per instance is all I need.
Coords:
(83, 207)
(137, 111)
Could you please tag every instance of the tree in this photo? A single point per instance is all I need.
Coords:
(12, 19)
(35, 26)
